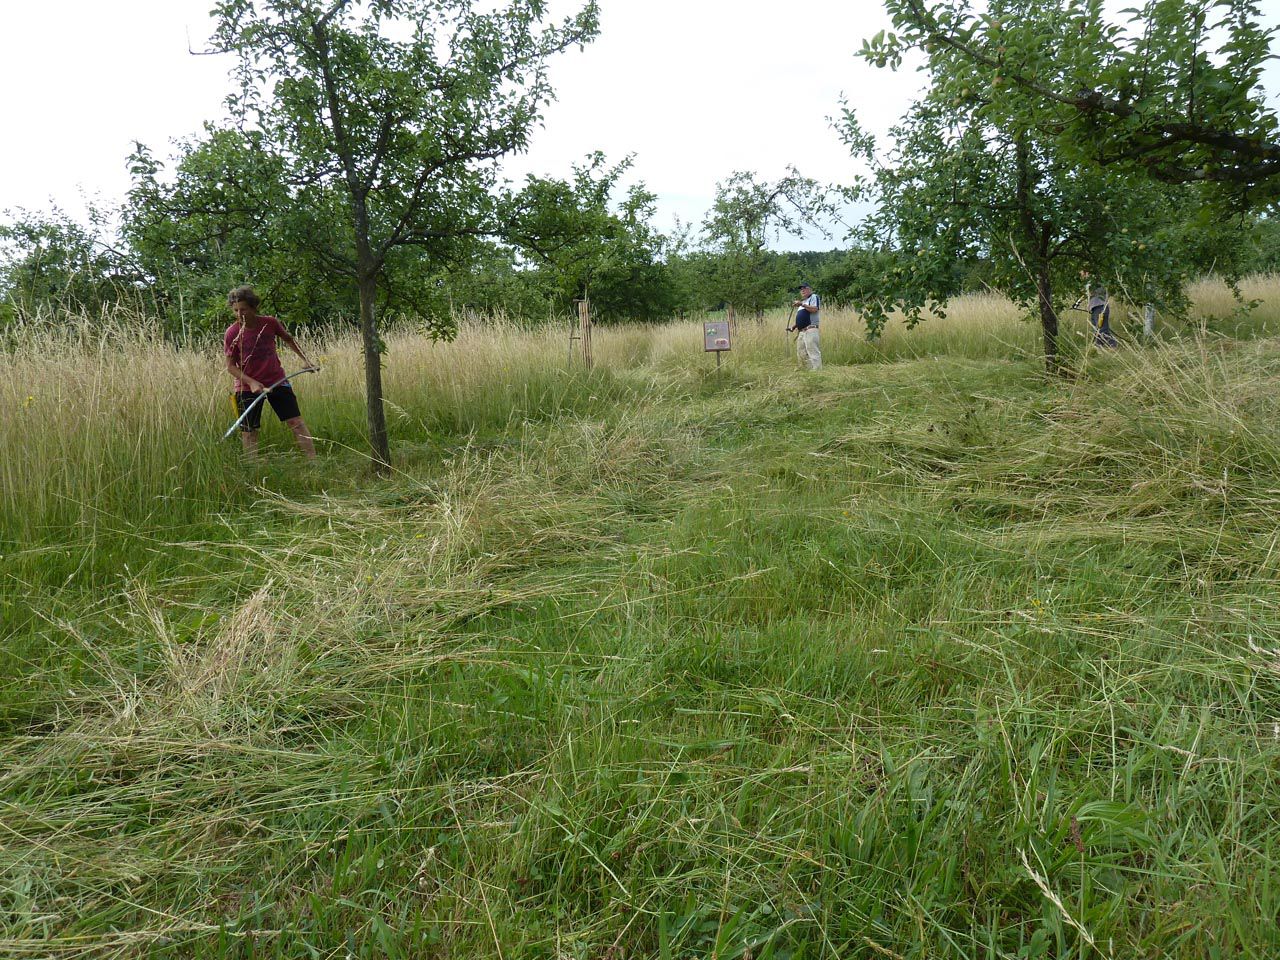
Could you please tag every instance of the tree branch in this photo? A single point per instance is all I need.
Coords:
(1260, 155)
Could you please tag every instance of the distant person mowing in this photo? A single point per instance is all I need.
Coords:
(1099, 311)
(250, 348)
(806, 327)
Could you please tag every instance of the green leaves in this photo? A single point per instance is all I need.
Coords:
(746, 214)
(589, 244)
(398, 107)
(49, 260)
(1004, 164)
(883, 50)
(1172, 91)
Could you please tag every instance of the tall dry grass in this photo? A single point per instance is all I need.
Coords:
(107, 427)
(925, 657)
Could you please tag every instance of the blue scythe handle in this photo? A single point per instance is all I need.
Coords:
(263, 395)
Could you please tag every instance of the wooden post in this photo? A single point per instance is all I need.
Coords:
(1149, 320)
(732, 316)
(584, 321)
(583, 332)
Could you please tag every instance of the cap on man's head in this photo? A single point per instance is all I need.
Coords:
(805, 286)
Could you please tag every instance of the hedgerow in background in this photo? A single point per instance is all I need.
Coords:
(224, 216)
(51, 265)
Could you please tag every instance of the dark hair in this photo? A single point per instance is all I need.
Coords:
(243, 295)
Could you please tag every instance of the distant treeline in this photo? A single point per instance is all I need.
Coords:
(52, 265)
(184, 237)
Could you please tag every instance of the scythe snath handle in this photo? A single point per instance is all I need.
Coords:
(263, 395)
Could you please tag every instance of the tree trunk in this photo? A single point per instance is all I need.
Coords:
(1048, 318)
(1036, 236)
(379, 446)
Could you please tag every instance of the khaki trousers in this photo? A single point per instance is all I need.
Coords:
(807, 349)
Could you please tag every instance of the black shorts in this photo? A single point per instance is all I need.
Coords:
(282, 399)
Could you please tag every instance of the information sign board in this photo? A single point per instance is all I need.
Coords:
(715, 336)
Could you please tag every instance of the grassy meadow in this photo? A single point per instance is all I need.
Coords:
(923, 655)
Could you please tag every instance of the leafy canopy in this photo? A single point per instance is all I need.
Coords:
(980, 170)
(401, 105)
(588, 245)
(746, 214)
(1172, 90)
(398, 110)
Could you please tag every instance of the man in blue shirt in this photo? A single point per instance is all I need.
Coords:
(806, 325)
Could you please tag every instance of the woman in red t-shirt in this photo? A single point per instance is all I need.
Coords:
(250, 348)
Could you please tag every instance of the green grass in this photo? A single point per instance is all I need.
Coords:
(922, 656)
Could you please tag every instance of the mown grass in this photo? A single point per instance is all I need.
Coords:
(922, 656)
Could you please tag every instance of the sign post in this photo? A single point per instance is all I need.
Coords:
(715, 338)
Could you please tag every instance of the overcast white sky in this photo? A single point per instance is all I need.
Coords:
(695, 88)
(700, 88)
